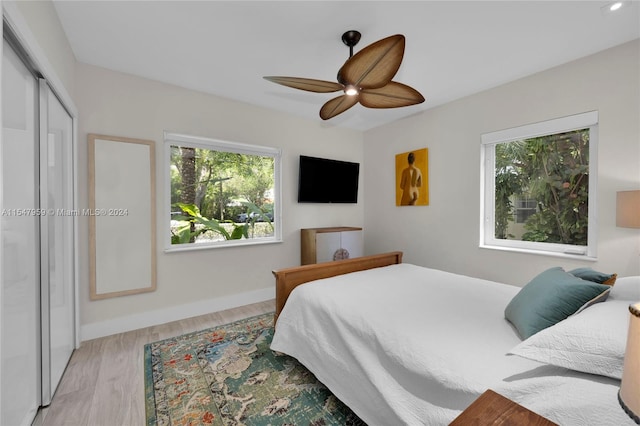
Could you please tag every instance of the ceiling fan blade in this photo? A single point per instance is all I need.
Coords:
(308, 84)
(375, 65)
(337, 106)
(393, 95)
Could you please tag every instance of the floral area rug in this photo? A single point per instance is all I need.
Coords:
(227, 375)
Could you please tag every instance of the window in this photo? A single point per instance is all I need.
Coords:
(538, 187)
(524, 209)
(220, 193)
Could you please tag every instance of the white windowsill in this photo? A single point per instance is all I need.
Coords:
(542, 253)
(241, 243)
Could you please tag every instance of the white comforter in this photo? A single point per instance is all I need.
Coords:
(407, 345)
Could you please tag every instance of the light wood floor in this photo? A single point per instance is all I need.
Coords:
(104, 381)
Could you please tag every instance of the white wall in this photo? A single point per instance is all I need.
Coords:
(42, 21)
(117, 104)
(445, 234)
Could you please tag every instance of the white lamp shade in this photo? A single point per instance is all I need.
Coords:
(629, 395)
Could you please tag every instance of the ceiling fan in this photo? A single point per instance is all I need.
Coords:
(364, 78)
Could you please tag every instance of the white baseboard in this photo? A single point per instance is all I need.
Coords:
(175, 313)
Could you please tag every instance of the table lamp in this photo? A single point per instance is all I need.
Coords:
(628, 209)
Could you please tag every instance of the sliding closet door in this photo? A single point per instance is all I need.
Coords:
(56, 239)
(20, 329)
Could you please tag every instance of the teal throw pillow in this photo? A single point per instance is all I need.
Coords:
(595, 276)
(550, 297)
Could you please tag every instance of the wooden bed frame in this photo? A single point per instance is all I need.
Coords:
(289, 278)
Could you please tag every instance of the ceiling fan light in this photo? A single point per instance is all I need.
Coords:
(351, 91)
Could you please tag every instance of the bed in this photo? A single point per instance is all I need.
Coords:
(402, 344)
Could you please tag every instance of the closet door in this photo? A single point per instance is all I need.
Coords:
(56, 240)
(20, 278)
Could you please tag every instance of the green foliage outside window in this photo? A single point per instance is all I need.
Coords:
(219, 195)
(554, 171)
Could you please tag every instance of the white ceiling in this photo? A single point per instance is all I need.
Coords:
(453, 48)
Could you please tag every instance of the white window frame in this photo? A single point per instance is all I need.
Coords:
(487, 186)
(173, 139)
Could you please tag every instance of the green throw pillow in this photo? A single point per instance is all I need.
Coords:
(550, 297)
(595, 276)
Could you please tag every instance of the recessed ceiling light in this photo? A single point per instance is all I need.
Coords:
(615, 6)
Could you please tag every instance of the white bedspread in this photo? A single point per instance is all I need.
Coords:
(407, 345)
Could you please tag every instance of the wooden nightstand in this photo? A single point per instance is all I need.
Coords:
(494, 409)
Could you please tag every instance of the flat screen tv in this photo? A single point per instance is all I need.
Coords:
(322, 180)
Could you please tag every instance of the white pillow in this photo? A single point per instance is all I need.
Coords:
(593, 341)
(626, 288)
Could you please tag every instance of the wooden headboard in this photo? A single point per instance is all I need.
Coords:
(289, 278)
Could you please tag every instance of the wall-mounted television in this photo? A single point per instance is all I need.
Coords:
(322, 180)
